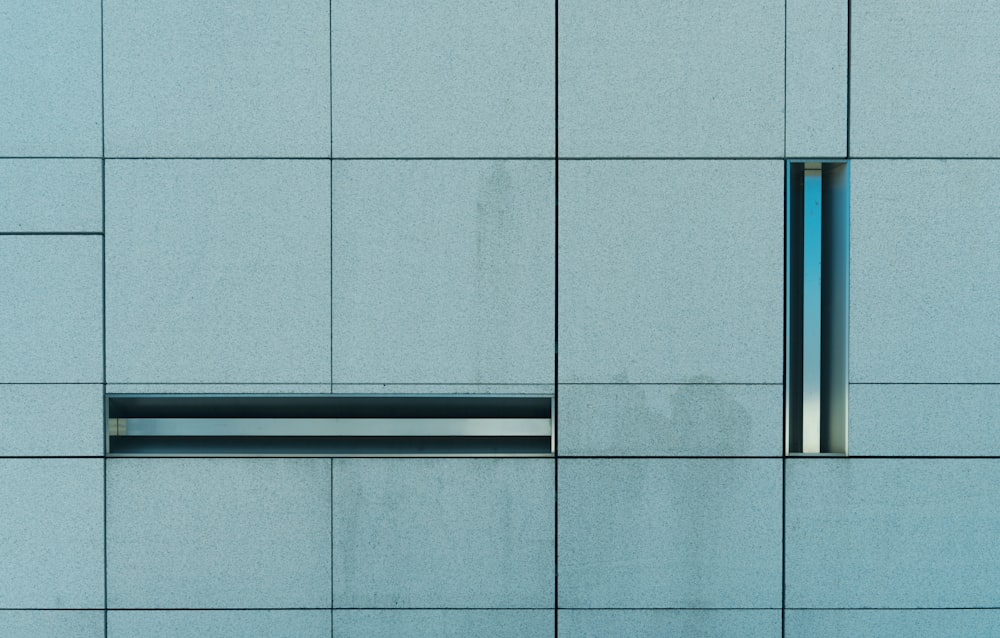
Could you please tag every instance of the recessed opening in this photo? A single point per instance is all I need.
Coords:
(817, 281)
(202, 425)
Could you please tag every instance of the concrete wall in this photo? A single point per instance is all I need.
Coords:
(341, 197)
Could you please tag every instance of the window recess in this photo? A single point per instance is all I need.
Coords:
(202, 425)
(817, 277)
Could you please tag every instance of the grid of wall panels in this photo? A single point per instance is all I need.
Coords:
(576, 198)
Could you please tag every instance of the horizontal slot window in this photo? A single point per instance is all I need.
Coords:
(178, 425)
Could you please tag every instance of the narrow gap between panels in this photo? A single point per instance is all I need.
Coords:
(303, 609)
(670, 608)
(671, 383)
(555, 338)
(28, 233)
(890, 608)
(528, 158)
(104, 322)
(847, 143)
(783, 557)
(323, 158)
(784, 114)
(665, 457)
(947, 383)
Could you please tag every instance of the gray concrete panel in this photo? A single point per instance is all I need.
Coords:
(51, 624)
(892, 533)
(923, 78)
(51, 98)
(218, 271)
(925, 420)
(454, 79)
(443, 533)
(52, 420)
(816, 79)
(299, 623)
(51, 309)
(442, 623)
(218, 533)
(218, 388)
(878, 623)
(671, 271)
(686, 623)
(217, 79)
(691, 533)
(671, 79)
(52, 532)
(924, 271)
(443, 272)
(443, 388)
(670, 420)
(50, 195)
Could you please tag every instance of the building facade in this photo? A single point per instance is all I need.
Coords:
(583, 200)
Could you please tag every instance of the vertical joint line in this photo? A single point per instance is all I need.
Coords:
(847, 145)
(104, 326)
(329, 31)
(784, 463)
(329, 243)
(103, 151)
(555, 325)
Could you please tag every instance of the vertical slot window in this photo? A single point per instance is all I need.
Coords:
(817, 277)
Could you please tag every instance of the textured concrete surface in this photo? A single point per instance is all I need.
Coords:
(671, 271)
(877, 623)
(891, 533)
(671, 79)
(924, 271)
(442, 623)
(218, 271)
(51, 309)
(52, 420)
(218, 533)
(454, 79)
(647, 623)
(51, 102)
(443, 272)
(315, 276)
(443, 533)
(443, 388)
(50, 195)
(924, 420)
(51, 624)
(692, 533)
(666, 420)
(218, 388)
(299, 623)
(816, 78)
(923, 78)
(52, 528)
(221, 79)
